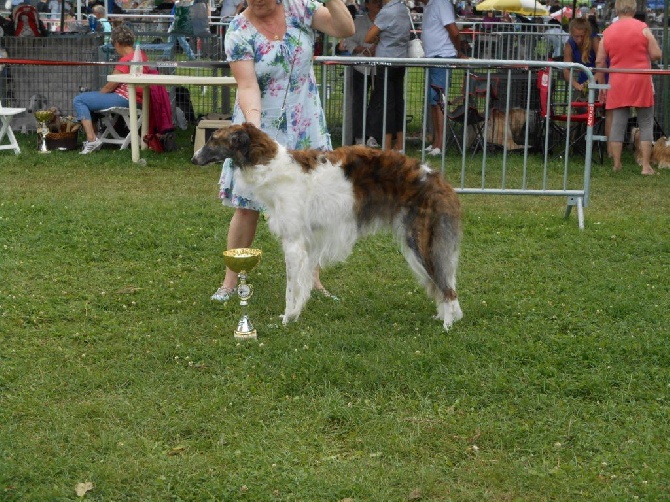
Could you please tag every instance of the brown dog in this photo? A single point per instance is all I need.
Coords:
(498, 127)
(660, 153)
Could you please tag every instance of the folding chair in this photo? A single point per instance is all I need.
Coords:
(564, 127)
(470, 111)
(109, 116)
(6, 116)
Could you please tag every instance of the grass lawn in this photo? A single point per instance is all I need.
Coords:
(116, 368)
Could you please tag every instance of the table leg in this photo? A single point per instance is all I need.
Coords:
(146, 94)
(132, 106)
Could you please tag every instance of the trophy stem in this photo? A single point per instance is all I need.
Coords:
(245, 330)
(43, 130)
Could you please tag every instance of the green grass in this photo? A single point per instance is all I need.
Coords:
(115, 368)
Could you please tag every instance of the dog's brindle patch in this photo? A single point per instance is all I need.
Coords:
(384, 184)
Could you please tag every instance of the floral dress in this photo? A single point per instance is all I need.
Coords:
(291, 111)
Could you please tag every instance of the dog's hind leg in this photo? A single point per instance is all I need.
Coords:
(299, 281)
(436, 270)
(445, 263)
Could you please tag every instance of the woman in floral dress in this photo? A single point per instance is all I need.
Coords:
(270, 49)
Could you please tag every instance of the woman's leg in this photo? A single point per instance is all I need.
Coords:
(386, 105)
(399, 110)
(617, 133)
(357, 105)
(437, 77)
(88, 102)
(241, 232)
(645, 119)
(375, 126)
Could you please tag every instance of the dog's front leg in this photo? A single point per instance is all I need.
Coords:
(299, 271)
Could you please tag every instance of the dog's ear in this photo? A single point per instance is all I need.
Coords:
(240, 145)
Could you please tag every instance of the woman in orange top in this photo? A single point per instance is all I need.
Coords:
(628, 43)
(112, 93)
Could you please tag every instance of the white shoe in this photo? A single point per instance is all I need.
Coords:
(428, 148)
(224, 294)
(91, 146)
(435, 152)
(372, 143)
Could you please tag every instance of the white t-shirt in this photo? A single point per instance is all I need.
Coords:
(229, 7)
(436, 41)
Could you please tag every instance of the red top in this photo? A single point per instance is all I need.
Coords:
(122, 89)
(627, 47)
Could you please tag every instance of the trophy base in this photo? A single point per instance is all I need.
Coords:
(245, 331)
(245, 336)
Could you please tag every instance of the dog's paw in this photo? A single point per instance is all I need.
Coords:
(287, 318)
(452, 313)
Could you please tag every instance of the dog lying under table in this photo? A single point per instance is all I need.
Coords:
(319, 203)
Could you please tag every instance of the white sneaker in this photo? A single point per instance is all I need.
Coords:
(428, 148)
(224, 294)
(372, 143)
(91, 146)
(435, 152)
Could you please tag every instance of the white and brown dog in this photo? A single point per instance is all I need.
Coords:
(319, 203)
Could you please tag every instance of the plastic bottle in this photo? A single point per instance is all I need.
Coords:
(137, 57)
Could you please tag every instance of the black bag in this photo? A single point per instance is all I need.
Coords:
(183, 102)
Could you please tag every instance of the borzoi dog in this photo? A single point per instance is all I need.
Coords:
(319, 203)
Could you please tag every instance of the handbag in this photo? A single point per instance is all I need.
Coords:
(415, 49)
(415, 46)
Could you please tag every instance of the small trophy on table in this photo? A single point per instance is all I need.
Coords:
(43, 118)
(243, 260)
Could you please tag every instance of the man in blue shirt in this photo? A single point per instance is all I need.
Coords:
(441, 39)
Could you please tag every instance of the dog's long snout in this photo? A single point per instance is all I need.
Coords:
(206, 155)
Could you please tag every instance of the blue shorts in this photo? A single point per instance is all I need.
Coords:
(438, 77)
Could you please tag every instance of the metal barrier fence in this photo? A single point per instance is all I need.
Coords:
(506, 118)
(545, 167)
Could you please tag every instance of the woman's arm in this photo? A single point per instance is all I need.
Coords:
(601, 62)
(567, 58)
(653, 48)
(248, 92)
(110, 87)
(567, 74)
(372, 36)
(334, 20)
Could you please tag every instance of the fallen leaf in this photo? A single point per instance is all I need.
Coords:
(415, 494)
(82, 488)
(177, 450)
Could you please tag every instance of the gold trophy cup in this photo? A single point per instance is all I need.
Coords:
(243, 260)
(43, 117)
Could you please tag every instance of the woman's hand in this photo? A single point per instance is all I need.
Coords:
(602, 96)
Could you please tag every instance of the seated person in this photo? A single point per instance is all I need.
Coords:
(112, 93)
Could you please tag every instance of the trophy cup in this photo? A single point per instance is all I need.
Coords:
(43, 118)
(242, 260)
